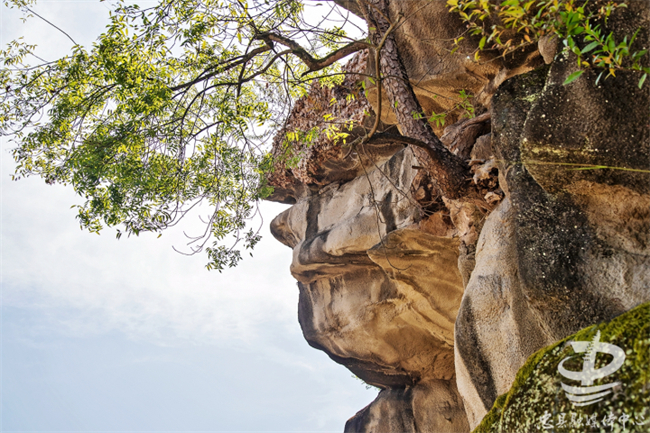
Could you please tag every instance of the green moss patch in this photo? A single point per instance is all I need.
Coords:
(538, 403)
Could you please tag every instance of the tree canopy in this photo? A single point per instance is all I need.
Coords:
(174, 105)
(170, 107)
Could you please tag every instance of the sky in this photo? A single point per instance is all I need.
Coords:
(105, 335)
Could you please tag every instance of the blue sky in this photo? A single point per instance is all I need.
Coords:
(107, 335)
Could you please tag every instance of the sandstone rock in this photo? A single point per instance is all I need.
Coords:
(467, 218)
(422, 267)
(303, 166)
(583, 132)
(426, 40)
(378, 295)
(438, 224)
(495, 329)
(430, 406)
(382, 262)
(570, 276)
(359, 301)
(340, 223)
(588, 132)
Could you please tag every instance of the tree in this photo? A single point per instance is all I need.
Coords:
(174, 104)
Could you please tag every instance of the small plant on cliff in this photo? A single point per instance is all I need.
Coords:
(368, 386)
(515, 24)
(464, 106)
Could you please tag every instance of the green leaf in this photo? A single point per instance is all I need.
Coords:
(642, 80)
(590, 47)
(573, 77)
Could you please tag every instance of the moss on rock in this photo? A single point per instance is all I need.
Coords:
(537, 402)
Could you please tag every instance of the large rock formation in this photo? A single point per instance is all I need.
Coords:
(440, 302)
(567, 248)
(378, 295)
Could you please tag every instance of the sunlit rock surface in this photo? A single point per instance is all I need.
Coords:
(378, 295)
(426, 41)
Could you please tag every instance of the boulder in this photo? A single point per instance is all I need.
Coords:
(380, 296)
(495, 329)
(559, 389)
(567, 248)
(433, 300)
(437, 72)
(376, 294)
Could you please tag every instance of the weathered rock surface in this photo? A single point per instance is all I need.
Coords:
(371, 304)
(495, 329)
(437, 76)
(378, 295)
(304, 166)
(425, 38)
(567, 248)
(432, 405)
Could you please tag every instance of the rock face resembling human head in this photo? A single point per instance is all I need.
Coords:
(377, 294)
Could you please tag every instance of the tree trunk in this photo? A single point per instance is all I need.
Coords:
(446, 169)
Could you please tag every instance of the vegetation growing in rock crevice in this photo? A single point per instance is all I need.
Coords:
(511, 25)
(174, 104)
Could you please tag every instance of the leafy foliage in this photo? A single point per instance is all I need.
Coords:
(514, 24)
(171, 106)
(464, 105)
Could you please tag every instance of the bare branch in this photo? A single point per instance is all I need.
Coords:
(244, 59)
(31, 11)
(378, 71)
(312, 63)
(387, 138)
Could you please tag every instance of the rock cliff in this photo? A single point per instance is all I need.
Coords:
(440, 302)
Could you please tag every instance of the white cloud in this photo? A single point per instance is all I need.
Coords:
(139, 286)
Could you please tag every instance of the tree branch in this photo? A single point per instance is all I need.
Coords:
(58, 28)
(378, 72)
(205, 76)
(312, 63)
(388, 138)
